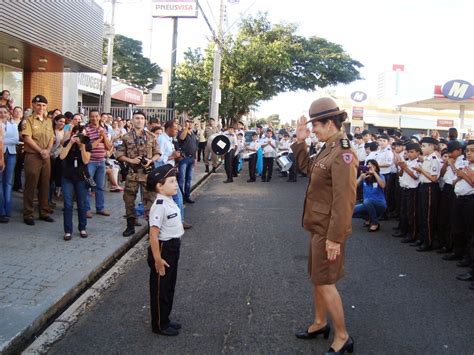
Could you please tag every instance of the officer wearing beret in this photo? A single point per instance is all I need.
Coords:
(327, 215)
(38, 136)
(138, 150)
(165, 234)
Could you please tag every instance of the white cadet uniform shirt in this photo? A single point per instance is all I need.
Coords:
(372, 156)
(284, 145)
(432, 166)
(385, 157)
(449, 175)
(165, 214)
(268, 150)
(253, 145)
(360, 150)
(462, 187)
(406, 181)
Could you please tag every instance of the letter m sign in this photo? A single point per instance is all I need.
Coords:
(458, 90)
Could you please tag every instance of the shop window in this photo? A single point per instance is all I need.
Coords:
(11, 79)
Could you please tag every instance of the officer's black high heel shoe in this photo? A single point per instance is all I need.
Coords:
(348, 346)
(311, 335)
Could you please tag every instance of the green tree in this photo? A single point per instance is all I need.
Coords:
(261, 61)
(131, 65)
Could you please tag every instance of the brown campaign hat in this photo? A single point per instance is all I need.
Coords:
(323, 108)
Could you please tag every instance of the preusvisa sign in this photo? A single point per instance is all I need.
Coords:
(458, 90)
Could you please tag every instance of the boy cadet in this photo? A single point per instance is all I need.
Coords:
(359, 148)
(428, 195)
(386, 162)
(165, 234)
(372, 151)
(238, 150)
(455, 161)
(252, 148)
(463, 207)
(229, 156)
(409, 180)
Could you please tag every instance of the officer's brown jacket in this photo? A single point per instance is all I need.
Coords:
(331, 192)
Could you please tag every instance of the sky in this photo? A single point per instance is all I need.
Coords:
(432, 38)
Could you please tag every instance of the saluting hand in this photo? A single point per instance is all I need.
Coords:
(302, 131)
(160, 266)
(333, 250)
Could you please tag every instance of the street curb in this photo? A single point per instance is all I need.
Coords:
(28, 336)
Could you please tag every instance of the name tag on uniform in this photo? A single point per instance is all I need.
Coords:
(172, 215)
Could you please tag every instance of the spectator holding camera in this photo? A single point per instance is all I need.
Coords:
(374, 203)
(75, 156)
(100, 145)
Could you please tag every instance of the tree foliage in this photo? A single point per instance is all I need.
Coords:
(261, 61)
(131, 65)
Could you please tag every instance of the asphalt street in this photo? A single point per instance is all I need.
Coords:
(243, 288)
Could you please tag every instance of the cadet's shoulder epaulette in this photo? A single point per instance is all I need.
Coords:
(345, 144)
(159, 202)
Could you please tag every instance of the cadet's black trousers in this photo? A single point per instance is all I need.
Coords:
(408, 213)
(293, 172)
(252, 165)
(162, 287)
(267, 168)
(445, 215)
(463, 225)
(391, 181)
(428, 193)
(229, 164)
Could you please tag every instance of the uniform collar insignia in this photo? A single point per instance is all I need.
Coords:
(345, 144)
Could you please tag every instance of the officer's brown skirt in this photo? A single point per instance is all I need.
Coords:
(320, 269)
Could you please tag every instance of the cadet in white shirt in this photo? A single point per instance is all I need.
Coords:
(409, 181)
(463, 222)
(359, 147)
(252, 148)
(373, 151)
(448, 172)
(229, 157)
(165, 234)
(428, 195)
(269, 155)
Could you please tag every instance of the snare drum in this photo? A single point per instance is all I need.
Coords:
(284, 163)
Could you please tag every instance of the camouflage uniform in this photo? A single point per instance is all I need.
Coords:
(209, 131)
(137, 146)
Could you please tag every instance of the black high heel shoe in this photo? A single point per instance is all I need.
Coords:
(311, 335)
(348, 346)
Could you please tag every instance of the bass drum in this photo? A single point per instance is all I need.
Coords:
(219, 143)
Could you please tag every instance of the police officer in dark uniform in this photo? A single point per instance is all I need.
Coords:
(138, 151)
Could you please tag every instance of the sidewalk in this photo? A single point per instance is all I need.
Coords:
(40, 273)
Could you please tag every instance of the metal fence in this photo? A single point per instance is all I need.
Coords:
(163, 114)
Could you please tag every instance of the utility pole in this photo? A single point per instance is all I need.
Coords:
(110, 60)
(216, 74)
(174, 52)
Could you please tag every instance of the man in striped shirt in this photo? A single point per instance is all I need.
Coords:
(100, 145)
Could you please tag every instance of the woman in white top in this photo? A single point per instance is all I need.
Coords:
(269, 154)
(10, 140)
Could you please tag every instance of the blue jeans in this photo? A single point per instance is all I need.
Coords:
(79, 188)
(97, 172)
(6, 184)
(178, 199)
(370, 209)
(186, 175)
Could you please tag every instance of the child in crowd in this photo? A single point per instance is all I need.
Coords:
(252, 148)
(165, 234)
(408, 181)
(428, 195)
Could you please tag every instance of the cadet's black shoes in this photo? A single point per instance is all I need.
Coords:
(175, 325)
(311, 335)
(168, 331)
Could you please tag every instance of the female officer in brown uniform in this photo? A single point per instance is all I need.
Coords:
(327, 215)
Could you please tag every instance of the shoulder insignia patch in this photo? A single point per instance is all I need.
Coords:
(159, 202)
(347, 158)
(345, 144)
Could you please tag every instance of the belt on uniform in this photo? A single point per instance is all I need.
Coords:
(409, 188)
(429, 183)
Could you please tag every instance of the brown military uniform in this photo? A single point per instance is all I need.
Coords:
(329, 203)
(209, 131)
(136, 146)
(37, 169)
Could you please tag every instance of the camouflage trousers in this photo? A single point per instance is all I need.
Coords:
(132, 183)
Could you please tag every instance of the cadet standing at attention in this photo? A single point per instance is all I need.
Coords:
(38, 136)
(165, 234)
(327, 215)
(139, 151)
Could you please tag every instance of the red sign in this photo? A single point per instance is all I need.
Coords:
(398, 67)
(357, 113)
(445, 123)
(130, 95)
